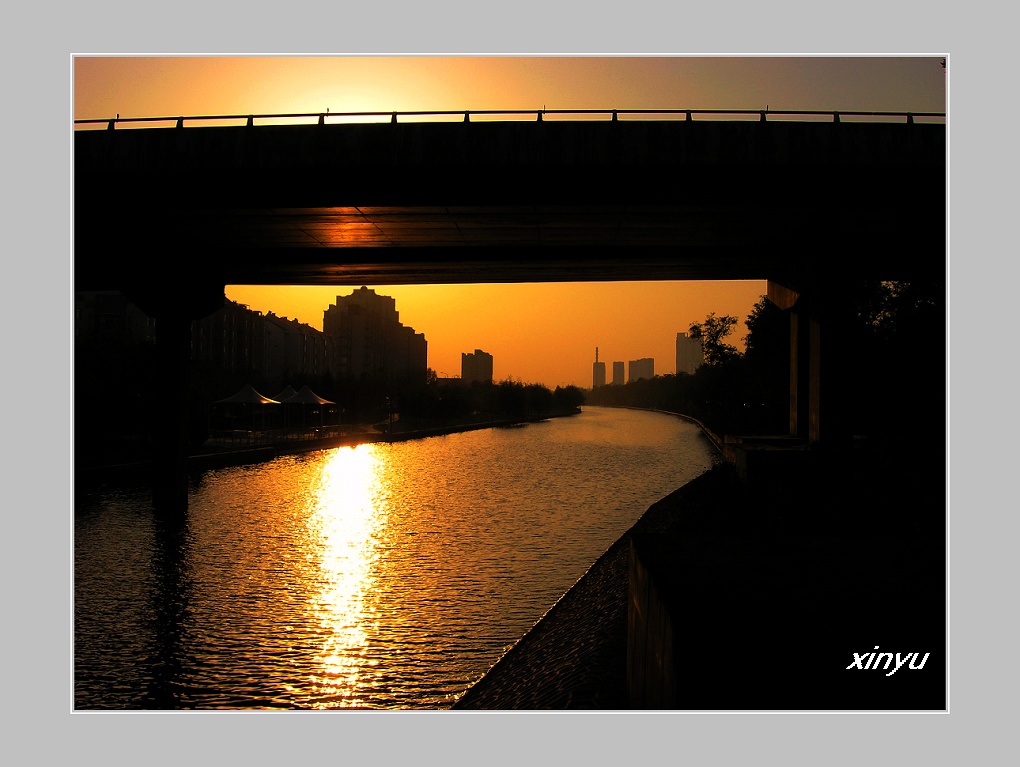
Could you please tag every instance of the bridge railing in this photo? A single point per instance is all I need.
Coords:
(488, 115)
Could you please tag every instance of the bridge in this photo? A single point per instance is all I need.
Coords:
(170, 210)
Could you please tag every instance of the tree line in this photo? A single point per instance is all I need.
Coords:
(447, 401)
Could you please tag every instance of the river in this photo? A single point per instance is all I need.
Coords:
(380, 576)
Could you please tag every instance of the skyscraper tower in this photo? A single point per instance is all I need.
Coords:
(618, 376)
(598, 372)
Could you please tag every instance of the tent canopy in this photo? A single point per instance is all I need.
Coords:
(308, 397)
(248, 395)
(285, 394)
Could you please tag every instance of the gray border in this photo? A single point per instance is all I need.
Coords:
(38, 658)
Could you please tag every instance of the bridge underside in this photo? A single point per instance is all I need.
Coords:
(507, 202)
(429, 244)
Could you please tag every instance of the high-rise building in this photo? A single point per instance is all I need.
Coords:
(642, 368)
(232, 340)
(476, 366)
(689, 353)
(295, 350)
(370, 342)
(598, 373)
(618, 374)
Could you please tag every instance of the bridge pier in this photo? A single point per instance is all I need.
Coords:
(170, 415)
(173, 308)
(821, 397)
(821, 361)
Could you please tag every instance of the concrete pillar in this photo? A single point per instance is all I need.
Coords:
(821, 361)
(173, 306)
(171, 412)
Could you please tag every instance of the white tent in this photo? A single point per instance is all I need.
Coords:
(250, 401)
(307, 398)
(285, 394)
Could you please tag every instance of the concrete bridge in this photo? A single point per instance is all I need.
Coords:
(170, 215)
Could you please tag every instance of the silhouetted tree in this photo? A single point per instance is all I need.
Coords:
(712, 332)
(568, 397)
(765, 370)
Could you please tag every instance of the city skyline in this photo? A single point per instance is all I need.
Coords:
(616, 317)
(537, 333)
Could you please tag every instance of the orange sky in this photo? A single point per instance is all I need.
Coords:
(161, 86)
(536, 333)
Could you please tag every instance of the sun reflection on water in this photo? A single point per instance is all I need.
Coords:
(348, 510)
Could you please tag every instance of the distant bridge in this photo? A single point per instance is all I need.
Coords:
(172, 214)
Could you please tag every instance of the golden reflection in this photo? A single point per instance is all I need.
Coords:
(348, 511)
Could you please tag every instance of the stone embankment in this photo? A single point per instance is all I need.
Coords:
(575, 657)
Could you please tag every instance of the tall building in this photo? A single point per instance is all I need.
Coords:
(598, 373)
(618, 374)
(476, 367)
(689, 353)
(642, 368)
(232, 340)
(370, 343)
(237, 340)
(295, 350)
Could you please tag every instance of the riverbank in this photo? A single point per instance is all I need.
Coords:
(767, 604)
(220, 453)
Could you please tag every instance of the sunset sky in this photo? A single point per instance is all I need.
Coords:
(545, 333)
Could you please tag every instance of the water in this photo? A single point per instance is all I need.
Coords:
(376, 576)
